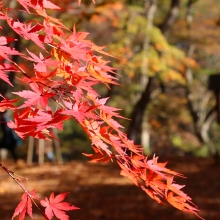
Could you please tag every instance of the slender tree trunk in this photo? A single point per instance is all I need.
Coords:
(171, 16)
(57, 147)
(137, 115)
(30, 152)
(202, 115)
(138, 112)
(148, 83)
(41, 146)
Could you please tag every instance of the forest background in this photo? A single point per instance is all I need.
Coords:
(165, 53)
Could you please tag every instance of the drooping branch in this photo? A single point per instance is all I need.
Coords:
(68, 76)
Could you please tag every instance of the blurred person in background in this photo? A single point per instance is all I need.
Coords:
(9, 140)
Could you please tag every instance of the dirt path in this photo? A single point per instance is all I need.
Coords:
(102, 194)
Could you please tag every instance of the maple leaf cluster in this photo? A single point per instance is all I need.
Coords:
(61, 86)
(53, 206)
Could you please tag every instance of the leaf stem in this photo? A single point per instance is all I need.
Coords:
(12, 175)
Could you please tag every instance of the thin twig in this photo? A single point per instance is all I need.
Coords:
(18, 181)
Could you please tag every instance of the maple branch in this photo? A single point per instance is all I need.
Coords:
(75, 71)
(30, 196)
(23, 72)
(12, 175)
(29, 77)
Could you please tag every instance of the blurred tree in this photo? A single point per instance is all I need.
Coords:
(157, 42)
(171, 17)
(201, 43)
(153, 65)
(150, 60)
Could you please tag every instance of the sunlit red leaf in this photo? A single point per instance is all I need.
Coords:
(55, 207)
(99, 156)
(7, 104)
(25, 206)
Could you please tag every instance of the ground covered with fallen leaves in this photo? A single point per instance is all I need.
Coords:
(102, 194)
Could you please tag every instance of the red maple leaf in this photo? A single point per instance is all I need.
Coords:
(6, 67)
(4, 77)
(38, 4)
(5, 40)
(42, 65)
(35, 97)
(80, 111)
(27, 31)
(99, 156)
(5, 50)
(7, 104)
(25, 206)
(54, 206)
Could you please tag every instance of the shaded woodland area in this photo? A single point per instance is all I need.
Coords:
(103, 194)
(165, 52)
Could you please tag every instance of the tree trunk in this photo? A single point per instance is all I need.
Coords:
(171, 16)
(137, 116)
(138, 112)
(203, 114)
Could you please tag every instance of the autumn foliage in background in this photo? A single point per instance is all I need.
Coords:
(61, 86)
